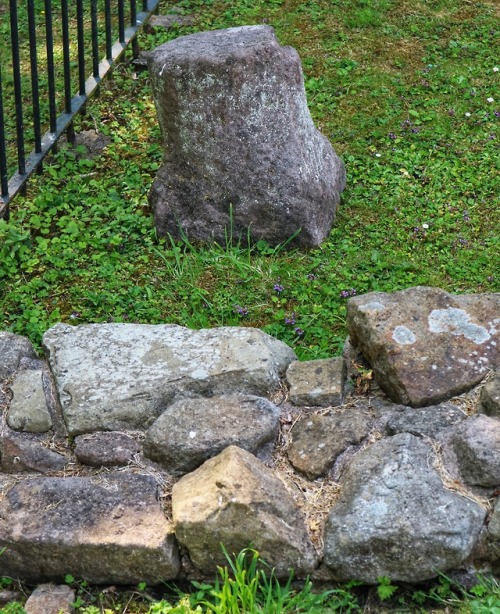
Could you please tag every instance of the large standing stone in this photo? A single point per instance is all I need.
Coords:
(12, 349)
(396, 519)
(123, 376)
(193, 430)
(28, 409)
(241, 150)
(424, 344)
(102, 530)
(234, 500)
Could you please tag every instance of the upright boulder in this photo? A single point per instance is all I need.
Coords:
(123, 376)
(241, 150)
(425, 345)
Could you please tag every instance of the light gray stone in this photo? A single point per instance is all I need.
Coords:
(395, 518)
(51, 599)
(105, 530)
(123, 376)
(489, 401)
(425, 345)
(242, 155)
(234, 500)
(317, 382)
(428, 421)
(106, 449)
(318, 440)
(28, 409)
(476, 443)
(193, 430)
(12, 349)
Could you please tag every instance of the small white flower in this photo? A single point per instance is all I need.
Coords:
(490, 99)
(495, 69)
(378, 155)
(467, 115)
(425, 226)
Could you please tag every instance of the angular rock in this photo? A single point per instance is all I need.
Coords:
(19, 454)
(123, 376)
(12, 349)
(425, 345)
(103, 530)
(395, 518)
(476, 443)
(28, 409)
(106, 449)
(242, 154)
(317, 382)
(428, 421)
(51, 599)
(318, 440)
(193, 430)
(489, 401)
(234, 500)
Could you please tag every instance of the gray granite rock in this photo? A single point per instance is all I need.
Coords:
(12, 349)
(28, 409)
(395, 518)
(242, 155)
(105, 530)
(123, 376)
(489, 401)
(317, 382)
(234, 500)
(106, 449)
(318, 440)
(425, 345)
(476, 443)
(193, 430)
(428, 421)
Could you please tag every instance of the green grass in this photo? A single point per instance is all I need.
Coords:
(391, 84)
(402, 89)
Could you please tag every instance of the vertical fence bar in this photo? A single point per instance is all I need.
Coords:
(16, 68)
(109, 33)
(133, 23)
(34, 76)
(121, 21)
(4, 181)
(144, 5)
(49, 37)
(81, 47)
(95, 38)
(70, 133)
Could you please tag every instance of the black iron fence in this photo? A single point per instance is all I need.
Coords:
(53, 56)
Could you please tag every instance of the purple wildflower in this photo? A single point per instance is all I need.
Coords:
(278, 288)
(291, 320)
(348, 293)
(298, 331)
(242, 311)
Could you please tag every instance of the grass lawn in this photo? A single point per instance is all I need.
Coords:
(408, 92)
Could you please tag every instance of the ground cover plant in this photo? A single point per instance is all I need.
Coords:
(409, 95)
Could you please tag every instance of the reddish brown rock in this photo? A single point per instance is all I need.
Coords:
(425, 345)
(20, 454)
(106, 449)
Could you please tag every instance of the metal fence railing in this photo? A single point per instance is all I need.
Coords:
(53, 56)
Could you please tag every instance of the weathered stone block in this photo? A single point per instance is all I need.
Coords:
(123, 376)
(241, 150)
(193, 430)
(12, 349)
(103, 530)
(28, 409)
(317, 382)
(489, 401)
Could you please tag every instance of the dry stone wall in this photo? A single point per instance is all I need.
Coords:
(131, 453)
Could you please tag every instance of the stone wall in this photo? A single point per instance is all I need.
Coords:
(130, 452)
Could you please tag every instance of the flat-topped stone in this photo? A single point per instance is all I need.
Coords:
(425, 345)
(28, 409)
(123, 376)
(103, 530)
(242, 155)
(317, 382)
